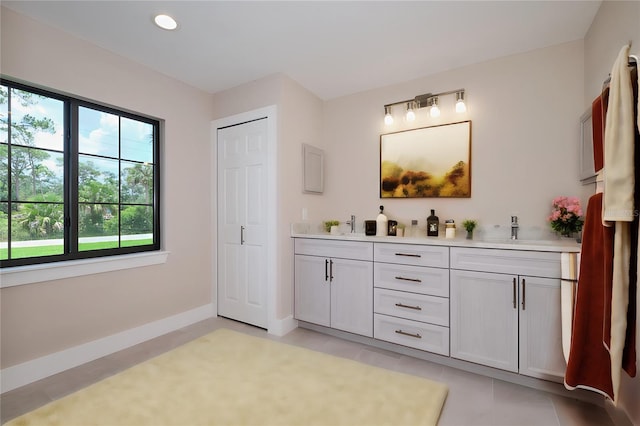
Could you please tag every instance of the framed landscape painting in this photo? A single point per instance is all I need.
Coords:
(426, 163)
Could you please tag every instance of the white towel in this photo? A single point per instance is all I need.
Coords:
(619, 179)
(570, 267)
(618, 205)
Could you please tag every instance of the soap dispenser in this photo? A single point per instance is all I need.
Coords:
(381, 224)
(433, 223)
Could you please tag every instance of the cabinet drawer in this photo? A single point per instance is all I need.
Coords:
(417, 307)
(412, 254)
(537, 264)
(416, 279)
(356, 250)
(426, 337)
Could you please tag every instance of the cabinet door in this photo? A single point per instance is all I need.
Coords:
(540, 329)
(352, 296)
(484, 319)
(312, 289)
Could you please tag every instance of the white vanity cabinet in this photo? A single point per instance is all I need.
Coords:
(505, 310)
(411, 296)
(333, 284)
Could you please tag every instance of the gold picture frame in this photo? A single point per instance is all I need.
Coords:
(430, 162)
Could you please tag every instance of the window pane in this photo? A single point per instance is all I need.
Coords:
(136, 225)
(137, 141)
(4, 114)
(98, 226)
(36, 120)
(97, 180)
(98, 132)
(36, 174)
(4, 173)
(37, 230)
(4, 152)
(4, 230)
(137, 183)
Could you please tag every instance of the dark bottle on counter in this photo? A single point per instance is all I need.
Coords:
(433, 223)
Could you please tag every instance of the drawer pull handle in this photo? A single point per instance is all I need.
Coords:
(413, 280)
(400, 305)
(408, 255)
(404, 333)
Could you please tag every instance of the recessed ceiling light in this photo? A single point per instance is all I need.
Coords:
(165, 22)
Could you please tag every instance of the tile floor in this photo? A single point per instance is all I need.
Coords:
(472, 399)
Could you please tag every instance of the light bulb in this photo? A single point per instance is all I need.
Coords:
(165, 22)
(410, 114)
(388, 120)
(434, 111)
(460, 105)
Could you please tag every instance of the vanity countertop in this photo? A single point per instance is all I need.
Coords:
(559, 245)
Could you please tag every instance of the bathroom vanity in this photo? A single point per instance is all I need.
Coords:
(464, 303)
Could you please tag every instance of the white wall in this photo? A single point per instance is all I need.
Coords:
(43, 318)
(615, 24)
(525, 112)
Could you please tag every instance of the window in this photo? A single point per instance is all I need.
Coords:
(77, 179)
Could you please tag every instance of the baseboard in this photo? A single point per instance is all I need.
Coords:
(48, 365)
(280, 327)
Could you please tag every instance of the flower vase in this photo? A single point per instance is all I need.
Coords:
(469, 235)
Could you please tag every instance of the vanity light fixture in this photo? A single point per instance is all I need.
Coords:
(165, 22)
(435, 110)
(422, 101)
(388, 118)
(410, 114)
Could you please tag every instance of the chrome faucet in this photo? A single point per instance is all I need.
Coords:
(514, 227)
(352, 222)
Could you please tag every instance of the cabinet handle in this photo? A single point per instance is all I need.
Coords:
(404, 333)
(241, 235)
(413, 280)
(331, 270)
(400, 305)
(408, 255)
(524, 295)
(326, 269)
(515, 290)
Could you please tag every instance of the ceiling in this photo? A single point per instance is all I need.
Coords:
(333, 48)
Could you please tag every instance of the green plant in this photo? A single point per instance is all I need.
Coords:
(329, 223)
(469, 224)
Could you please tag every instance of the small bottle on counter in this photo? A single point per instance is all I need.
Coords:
(449, 228)
(381, 224)
(413, 231)
(433, 223)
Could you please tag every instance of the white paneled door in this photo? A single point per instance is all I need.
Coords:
(242, 222)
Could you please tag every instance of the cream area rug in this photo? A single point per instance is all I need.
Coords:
(229, 378)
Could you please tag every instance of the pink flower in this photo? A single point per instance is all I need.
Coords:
(565, 215)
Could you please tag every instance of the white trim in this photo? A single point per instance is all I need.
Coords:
(48, 365)
(280, 327)
(271, 114)
(29, 274)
